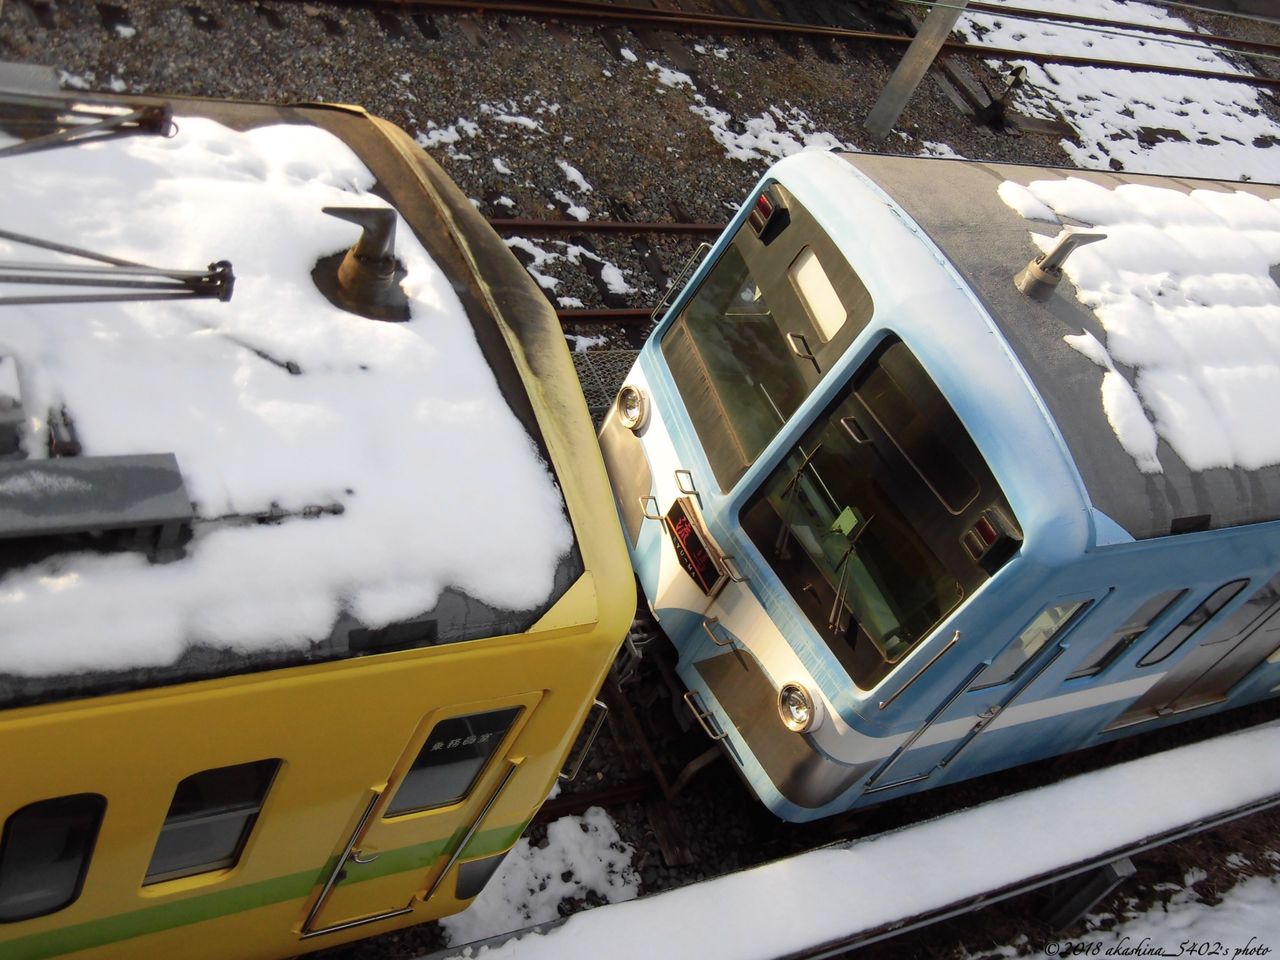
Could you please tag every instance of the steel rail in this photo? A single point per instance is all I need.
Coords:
(507, 225)
(1019, 13)
(629, 15)
(626, 316)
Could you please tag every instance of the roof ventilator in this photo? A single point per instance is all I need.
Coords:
(365, 280)
(1040, 278)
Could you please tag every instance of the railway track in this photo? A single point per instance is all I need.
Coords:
(631, 16)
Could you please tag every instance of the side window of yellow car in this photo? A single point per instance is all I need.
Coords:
(44, 854)
(210, 819)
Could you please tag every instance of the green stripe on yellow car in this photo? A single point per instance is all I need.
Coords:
(251, 896)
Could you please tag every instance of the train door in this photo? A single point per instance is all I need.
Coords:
(1230, 651)
(409, 832)
(989, 689)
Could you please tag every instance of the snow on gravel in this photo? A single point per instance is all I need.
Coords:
(1139, 122)
(581, 856)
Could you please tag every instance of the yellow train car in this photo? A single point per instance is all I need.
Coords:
(205, 754)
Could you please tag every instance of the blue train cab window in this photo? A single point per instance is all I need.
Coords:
(1124, 637)
(210, 819)
(1193, 621)
(757, 337)
(1048, 625)
(863, 519)
(451, 761)
(44, 854)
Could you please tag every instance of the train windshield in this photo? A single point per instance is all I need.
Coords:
(729, 357)
(863, 520)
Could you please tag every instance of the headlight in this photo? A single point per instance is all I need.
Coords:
(633, 408)
(797, 708)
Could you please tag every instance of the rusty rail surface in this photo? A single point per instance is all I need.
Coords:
(628, 15)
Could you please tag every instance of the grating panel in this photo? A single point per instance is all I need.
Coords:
(601, 373)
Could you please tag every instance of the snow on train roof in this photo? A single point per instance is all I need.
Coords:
(401, 424)
(1158, 358)
(1186, 287)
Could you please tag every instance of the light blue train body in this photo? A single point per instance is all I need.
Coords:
(934, 552)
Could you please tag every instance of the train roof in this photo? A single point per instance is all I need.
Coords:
(1159, 357)
(276, 474)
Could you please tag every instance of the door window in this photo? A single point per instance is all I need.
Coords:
(1124, 637)
(1193, 621)
(451, 761)
(1048, 625)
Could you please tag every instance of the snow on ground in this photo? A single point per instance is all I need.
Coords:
(580, 343)
(1246, 923)
(365, 424)
(540, 257)
(776, 133)
(1183, 286)
(582, 856)
(1143, 122)
(826, 894)
(499, 120)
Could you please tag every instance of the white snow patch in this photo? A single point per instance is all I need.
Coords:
(1182, 287)
(542, 258)
(668, 77)
(569, 303)
(934, 148)
(574, 210)
(436, 136)
(1089, 345)
(1245, 920)
(614, 278)
(581, 344)
(501, 167)
(75, 81)
(771, 136)
(581, 855)
(574, 175)
(363, 425)
(1019, 198)
(627, 55)
(518, 120)
(125, 31)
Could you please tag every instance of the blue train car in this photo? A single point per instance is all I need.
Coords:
(935, 467)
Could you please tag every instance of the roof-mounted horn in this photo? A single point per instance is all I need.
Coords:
(365, 280)
(1040, 277)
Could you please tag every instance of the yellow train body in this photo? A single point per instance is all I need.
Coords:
(326, 861)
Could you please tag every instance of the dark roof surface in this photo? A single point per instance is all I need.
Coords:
(955, 202)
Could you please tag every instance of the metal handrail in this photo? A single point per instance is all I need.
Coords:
(678, 283)
(591, 739)
(919, 673)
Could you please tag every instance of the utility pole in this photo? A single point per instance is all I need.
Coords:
(911, 70)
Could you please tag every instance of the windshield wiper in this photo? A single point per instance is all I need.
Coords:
(784, 534)
(833, 619)
(150, 283)
(87, 123)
